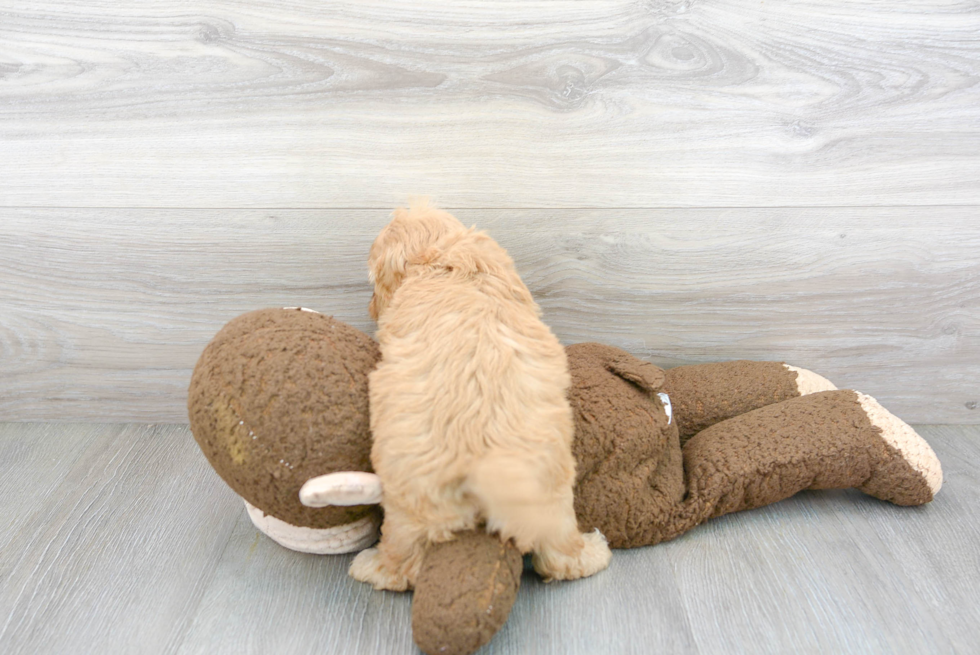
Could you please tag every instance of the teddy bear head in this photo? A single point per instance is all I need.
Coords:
(278, 397)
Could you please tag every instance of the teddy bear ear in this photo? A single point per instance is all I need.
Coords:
(643, 374)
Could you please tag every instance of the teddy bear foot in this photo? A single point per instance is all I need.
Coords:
(808, 382)
(909, 472)
(369, 566)
(592, 558)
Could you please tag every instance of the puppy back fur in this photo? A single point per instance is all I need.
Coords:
(469, 370)
(469, 413)
(468, 406)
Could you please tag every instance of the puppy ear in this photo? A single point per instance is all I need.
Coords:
(387, 264)
(388, 258)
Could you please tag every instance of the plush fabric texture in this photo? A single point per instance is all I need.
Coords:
(705, 394)
(280, 396)
(628, 458)
(465, 592)
(639, 487)
(742, 437)
(820, 441)
(824, 440)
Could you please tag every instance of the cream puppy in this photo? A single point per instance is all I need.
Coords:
(468, 409)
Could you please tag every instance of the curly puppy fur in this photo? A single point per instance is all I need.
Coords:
(468, 410)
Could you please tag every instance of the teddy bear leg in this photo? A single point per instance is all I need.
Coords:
(705, 394)
(827, 440)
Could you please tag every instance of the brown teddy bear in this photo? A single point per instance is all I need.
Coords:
(278, 404)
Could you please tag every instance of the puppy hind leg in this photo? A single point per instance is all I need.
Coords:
(567, 554)
(395, 562)
(521, 503)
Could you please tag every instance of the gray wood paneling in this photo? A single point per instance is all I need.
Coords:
(141, 548)
(104, 312)
(488, 104)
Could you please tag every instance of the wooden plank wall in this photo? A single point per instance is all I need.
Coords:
(692, 181)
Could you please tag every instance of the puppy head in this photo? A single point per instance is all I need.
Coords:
(408, 239)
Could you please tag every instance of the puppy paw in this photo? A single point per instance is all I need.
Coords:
(369, 566)
(593, 557)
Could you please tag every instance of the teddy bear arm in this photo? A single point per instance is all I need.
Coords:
(464, 592)
(705, 394)
(645, 375)
(827, 440)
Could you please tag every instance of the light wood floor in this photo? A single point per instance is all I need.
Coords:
(121, 539)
